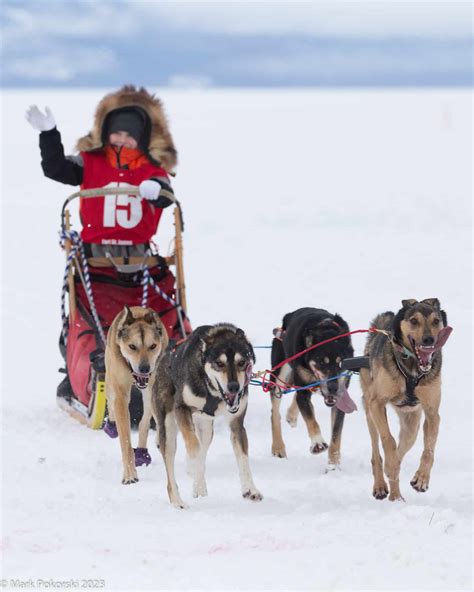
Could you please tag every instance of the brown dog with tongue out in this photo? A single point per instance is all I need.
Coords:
(135, 342)
(405, 372)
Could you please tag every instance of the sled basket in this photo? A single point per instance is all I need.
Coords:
(111, 288)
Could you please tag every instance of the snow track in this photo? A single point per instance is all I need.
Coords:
(349, 201)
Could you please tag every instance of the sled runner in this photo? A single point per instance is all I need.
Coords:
(95, 290)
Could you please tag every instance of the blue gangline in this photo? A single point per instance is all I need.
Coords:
(256, 382)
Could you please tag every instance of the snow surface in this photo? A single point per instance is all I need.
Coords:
(350, 201)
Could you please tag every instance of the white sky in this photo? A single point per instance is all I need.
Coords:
(373, 18)
(113, 19)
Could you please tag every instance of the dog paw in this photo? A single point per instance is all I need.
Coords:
(200, 489)
(253, 495)
(142, 457)
(279, 451)
(130, 475)
(396, 497)
(178, 503)
(420, 482)
(129, 480)
(110, 428)
(380, 492)
(318, 446)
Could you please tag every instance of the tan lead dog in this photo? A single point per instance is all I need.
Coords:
(135, 342)
(405, 372)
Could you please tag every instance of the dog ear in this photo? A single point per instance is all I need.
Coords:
(408, 303)
(434, 302)
(444, 317)
(153, 318)
(150, 317)
(341, 322)
(396, 323)
(128, 320)
(251, 353)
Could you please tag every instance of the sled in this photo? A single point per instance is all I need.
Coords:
(95, 290)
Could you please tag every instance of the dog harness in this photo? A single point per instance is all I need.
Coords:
(411, 400)
(411, 382)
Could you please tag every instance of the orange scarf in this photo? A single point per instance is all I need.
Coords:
(119, 157)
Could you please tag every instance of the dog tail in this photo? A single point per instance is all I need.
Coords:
(381, 321)
(278, 353)
(286, 321)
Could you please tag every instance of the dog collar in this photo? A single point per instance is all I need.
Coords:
(402, 349)
(211, 405)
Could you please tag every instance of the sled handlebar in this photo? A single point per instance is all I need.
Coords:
(101, 191)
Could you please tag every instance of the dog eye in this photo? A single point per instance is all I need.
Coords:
(436, 322)
(414, 322)
(241, 363)
(220, 364)
(153, 346)
(131, 346)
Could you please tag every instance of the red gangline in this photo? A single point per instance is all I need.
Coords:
(268, 383)
(301, 353)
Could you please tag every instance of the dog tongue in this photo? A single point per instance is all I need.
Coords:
(231, 398)
(344, 402)
(443, 337)
(425, 353)
(141, 380)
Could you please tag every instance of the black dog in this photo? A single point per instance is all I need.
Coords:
(301, 329)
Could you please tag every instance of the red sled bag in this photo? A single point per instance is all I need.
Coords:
(112, 290)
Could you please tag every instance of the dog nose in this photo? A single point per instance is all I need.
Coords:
(233, 387)
(333, 387)
(428, 341)
(144, 368)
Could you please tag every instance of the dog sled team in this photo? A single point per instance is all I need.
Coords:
(129, 347)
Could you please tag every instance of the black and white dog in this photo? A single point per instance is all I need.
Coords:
(300, 330)
(205, 376)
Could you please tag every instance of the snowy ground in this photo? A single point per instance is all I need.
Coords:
(345, 200)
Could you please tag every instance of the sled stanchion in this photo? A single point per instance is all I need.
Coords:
(180, 284)
(70, 280)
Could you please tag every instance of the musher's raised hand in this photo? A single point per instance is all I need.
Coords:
(43, 122)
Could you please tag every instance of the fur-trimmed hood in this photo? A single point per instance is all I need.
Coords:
(161, 148)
